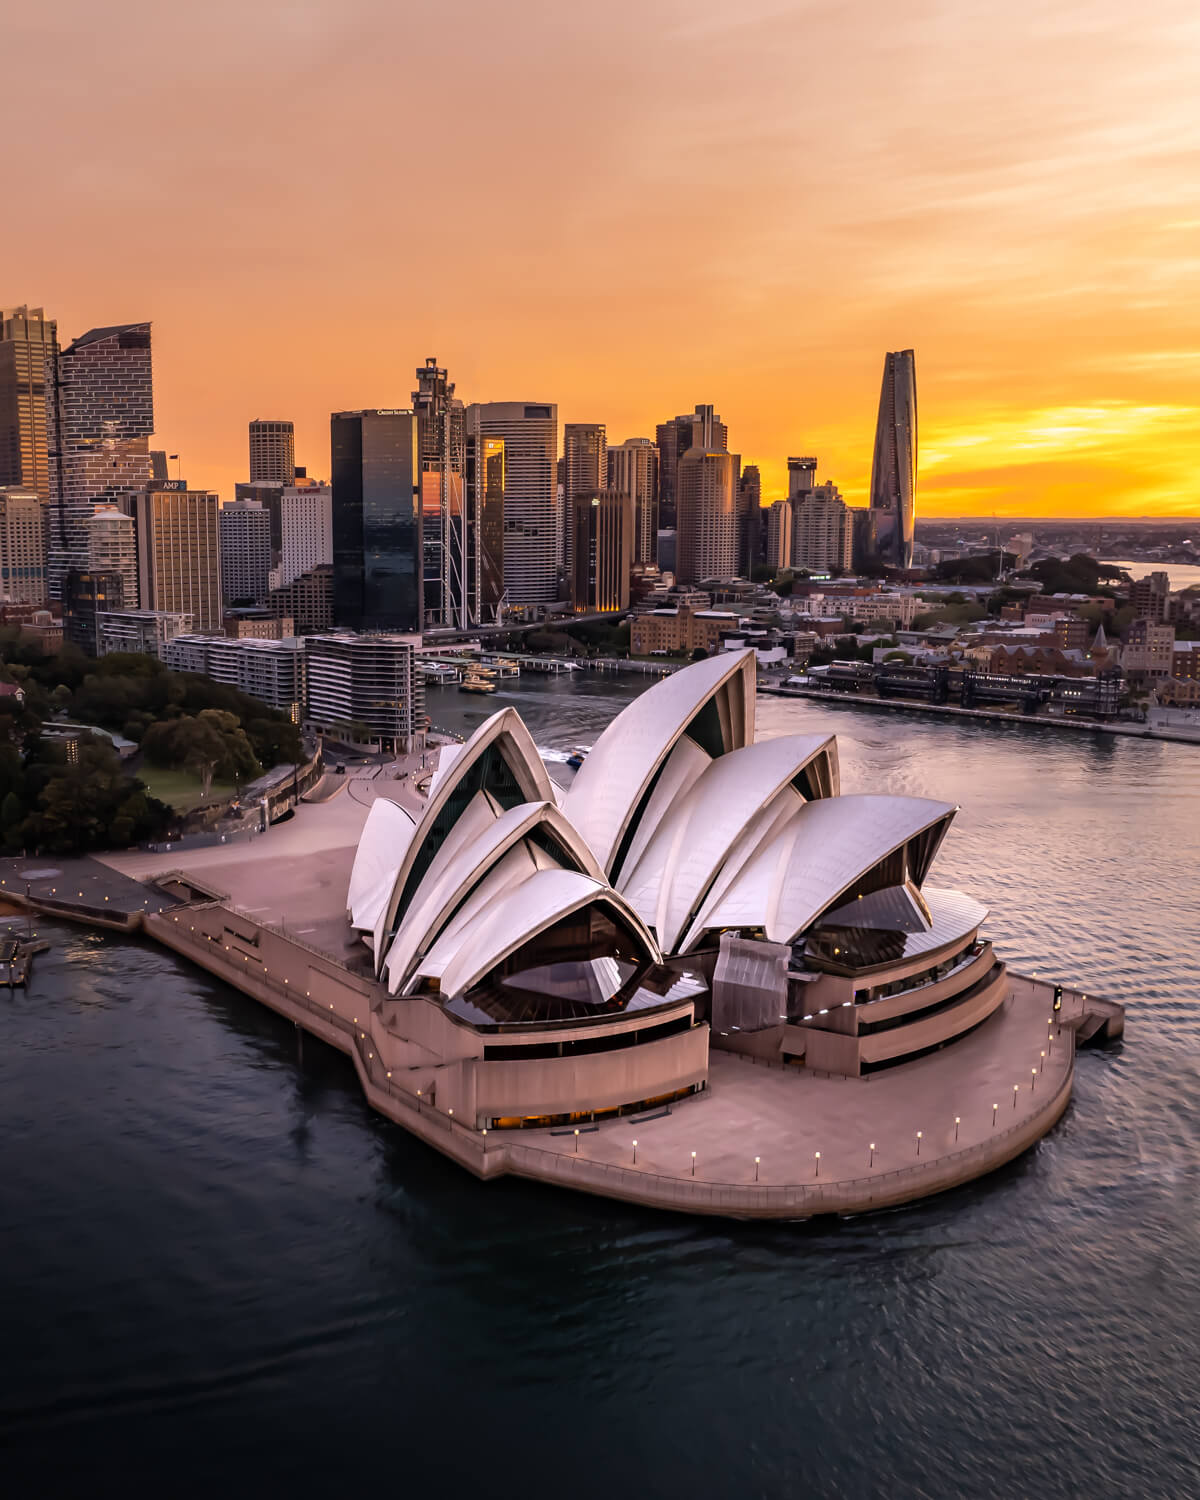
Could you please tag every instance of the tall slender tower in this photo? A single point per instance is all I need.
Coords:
(375, 467)
(707, 507)
(103, 412)
(28, 359)
(529, 431)
(585, 475)
(894, 466)
(633, 471)
(449, 515)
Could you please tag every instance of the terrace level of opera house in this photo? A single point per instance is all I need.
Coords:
(699, 975)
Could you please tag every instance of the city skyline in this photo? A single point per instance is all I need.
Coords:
(1039, 255)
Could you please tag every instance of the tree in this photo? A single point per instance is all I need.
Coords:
(212, 743)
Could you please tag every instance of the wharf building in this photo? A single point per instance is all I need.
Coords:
(101, 410)
(28, 377)
(179, 555)
(529, 432)
(368, 682)
(274, 672)
(707, 511)
(378, 572)
(894, 463)
(633, 472)
(22, 546)
(272, 452)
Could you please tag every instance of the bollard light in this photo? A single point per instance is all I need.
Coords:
(957, 1123)
(576, 1142)
(1016, 1091)
(1033, 1085)
(995, 1107)
(756, 1169)
(871, 1163)
(1042, 1064)
(693, 1164)
(817, 1170)
(635, 1153)
(918, 1143)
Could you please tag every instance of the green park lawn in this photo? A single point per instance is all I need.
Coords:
(181, 790)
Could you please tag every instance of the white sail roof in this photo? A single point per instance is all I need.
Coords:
(819, 854)
(699, 829)
(614, 779)
(381, 846)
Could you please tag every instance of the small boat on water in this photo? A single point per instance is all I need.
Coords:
(473, 683)
(577, 756)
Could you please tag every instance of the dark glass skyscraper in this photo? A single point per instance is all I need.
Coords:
(375, 467)
(894, 466)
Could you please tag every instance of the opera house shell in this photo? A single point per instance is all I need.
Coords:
(553, 954)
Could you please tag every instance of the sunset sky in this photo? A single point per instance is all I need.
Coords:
(630, 208)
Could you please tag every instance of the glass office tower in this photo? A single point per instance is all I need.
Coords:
(375, 467)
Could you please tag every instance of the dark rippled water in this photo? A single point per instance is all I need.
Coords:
(221, 1273)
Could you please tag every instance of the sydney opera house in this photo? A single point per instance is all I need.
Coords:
(571, 953)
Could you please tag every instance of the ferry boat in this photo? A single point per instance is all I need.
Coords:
(473, 683)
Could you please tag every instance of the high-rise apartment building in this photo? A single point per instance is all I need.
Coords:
(179, 553)
(485, 485)
(584, 474)
(377, 553)
(529, 431)
(28, 373)
(894, 465)
(707, 512)
(368, 680)
(822, 529)
(602, 558)
(306, 530)
(245, 531)
(449, 520)
(779, 535)
(22, 546)
(272, 452)
(102, 413)
(700, 428)
(112, 551)
(1151, 597)
(633, 471)
(272, 671)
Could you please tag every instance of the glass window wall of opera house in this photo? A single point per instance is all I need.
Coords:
(551, 955)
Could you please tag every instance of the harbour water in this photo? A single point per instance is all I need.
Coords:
(222, 1272)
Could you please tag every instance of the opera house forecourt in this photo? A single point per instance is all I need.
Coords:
(699, 976)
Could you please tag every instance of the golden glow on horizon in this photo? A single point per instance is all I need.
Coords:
(635, 208)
